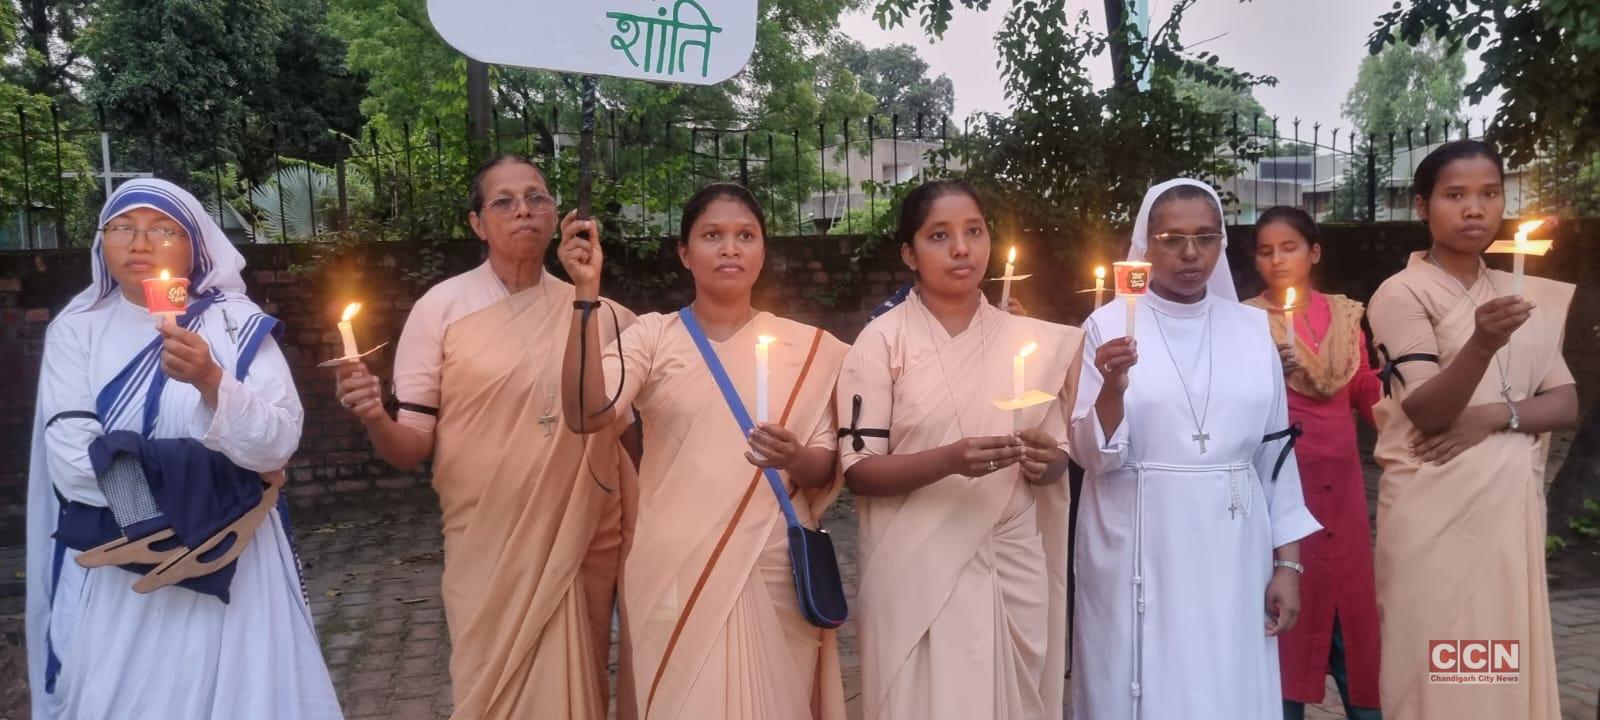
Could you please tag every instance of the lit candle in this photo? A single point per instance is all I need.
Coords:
(1133, 280)
(347, 331)
(1288, 320)
(166, 296)
(1521, 252)
(1005, 281)
(1018, 387)
(762, 345)
(1099, 286)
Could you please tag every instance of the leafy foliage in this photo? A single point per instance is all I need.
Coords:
(1072, 161)
(895, 77)
(1414, 88)
(52, 199)
(1543, 57)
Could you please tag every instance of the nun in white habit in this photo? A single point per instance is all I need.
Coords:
(1191, 507)
(210, 394)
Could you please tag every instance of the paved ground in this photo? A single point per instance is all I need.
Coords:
(373, 576)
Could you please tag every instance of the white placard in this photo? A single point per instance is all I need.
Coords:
(696, 42)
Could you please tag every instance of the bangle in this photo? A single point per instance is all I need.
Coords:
(585, 304)
(1292, 565)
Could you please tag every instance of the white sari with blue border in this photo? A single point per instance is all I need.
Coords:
(97, 649)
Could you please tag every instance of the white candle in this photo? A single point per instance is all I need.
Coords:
(1005, 281)
(347, 332)
(1288, 320)
(762, 344)
(1522, 250)
(1018, 385)
(1133, 307)
(1099, 286)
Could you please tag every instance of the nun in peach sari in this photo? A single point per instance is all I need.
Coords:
(1474, 383)
(963, 517)
(712, 621)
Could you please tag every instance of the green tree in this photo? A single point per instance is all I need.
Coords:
(186, 87)
(30, 187)
(1223, 101)
(1543, 58)
(172, 75)
(1408, 87)
(311, 99)
(897, 78)
(47, 60)
(1071, 161)
(1401, 89)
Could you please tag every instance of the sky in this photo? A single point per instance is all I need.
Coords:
(1313, 47)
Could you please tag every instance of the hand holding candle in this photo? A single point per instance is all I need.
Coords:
(166, 296)
(347, 331)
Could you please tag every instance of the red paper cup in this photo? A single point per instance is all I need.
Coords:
(1133, 277)
(166, 295)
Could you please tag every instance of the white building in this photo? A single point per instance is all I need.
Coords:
(1312, 181)
(883, 160)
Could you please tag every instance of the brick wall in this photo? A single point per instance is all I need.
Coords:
(808, 279)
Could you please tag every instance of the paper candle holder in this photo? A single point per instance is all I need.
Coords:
(342, 360)
(1536, 248)
(1028, 400)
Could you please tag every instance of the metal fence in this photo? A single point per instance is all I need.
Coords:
(1339, 175)
(831, 176)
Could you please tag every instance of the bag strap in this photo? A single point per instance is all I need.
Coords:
(737, 406)
(730, 394)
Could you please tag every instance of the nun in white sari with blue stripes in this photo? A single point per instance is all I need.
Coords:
(214, 400)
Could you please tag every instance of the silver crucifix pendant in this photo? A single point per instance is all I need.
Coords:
(1201, 437)
(548, 420)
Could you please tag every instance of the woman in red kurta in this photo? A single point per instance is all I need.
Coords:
(1338, 628)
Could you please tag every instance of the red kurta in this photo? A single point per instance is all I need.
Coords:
(1339, 576)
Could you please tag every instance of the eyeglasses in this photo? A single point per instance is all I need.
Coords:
(538, 204)
(123, 234)
(1175, 242)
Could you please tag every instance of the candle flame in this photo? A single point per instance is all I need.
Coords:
(1100, 272)
(1526, 229)
(1011, 257)
(166, 275)
(1028, 350)
(765, 340)
(350, 311)
(1288, 300)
